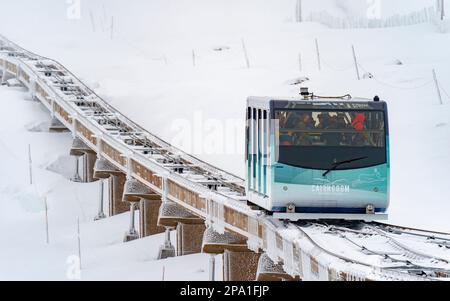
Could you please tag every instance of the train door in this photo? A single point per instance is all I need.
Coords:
(248, 157)
(264, 151)
(267, 154)
(252, 148)
(259, 149)
(257, 142)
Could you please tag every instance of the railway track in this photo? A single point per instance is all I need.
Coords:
(314, 250)
(391, 253)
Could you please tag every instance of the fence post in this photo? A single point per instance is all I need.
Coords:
(298, 12)
(300, 66)
(356, 63)
(247, 61)
(437, 86)
(30, 164)
(79, 240)
(92, 20)
(46, 221)
(112, 27)
(318, 55)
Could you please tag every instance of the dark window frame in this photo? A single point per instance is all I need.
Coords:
(353, 151)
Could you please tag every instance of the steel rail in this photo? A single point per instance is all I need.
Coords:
(406, 248)
(431, 234)
(403, 273)
(409, 264)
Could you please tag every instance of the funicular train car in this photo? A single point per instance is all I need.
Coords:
(318, 158)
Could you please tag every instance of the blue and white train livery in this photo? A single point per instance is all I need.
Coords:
(318, 158)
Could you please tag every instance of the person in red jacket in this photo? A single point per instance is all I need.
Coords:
(358, 122)
(359, 139)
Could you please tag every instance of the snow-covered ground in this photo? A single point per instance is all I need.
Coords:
(24, 252)
(159, 66)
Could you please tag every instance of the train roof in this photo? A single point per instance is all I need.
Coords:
(266, 102)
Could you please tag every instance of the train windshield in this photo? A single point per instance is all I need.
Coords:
(317, 139)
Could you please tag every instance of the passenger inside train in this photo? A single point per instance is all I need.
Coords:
(306, 128)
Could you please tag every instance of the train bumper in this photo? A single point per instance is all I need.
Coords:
(330, 216)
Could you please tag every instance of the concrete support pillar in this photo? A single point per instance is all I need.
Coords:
(76, 175)
(189, 238)
(131, 234)
(88, 157)
(115, 179)
(148, 217)
(116, 185)
(5, 77)
(32, 92)
(170, 215)
(212, 267)
(167, 249)
(101, 198)
(240, 266)
(149, 203)
(84, 177)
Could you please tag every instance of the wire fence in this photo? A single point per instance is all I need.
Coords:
(443, 90)
(394, 86)
(426, 15)
(369, 74)
(338, 69)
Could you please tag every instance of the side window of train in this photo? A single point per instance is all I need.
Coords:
(251, 125)
(265, 151)
(264, 135)
(247, 133)
(331, 128)
(254, 148)
(258, 150)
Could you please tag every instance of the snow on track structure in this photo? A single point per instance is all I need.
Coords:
(369, 245)
(217, 196)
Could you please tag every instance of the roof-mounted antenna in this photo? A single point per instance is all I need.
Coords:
(304, 91)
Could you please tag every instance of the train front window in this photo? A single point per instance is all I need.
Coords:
(316, 139)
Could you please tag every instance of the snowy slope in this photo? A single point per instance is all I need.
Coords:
(24, 253)
(146, 70)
